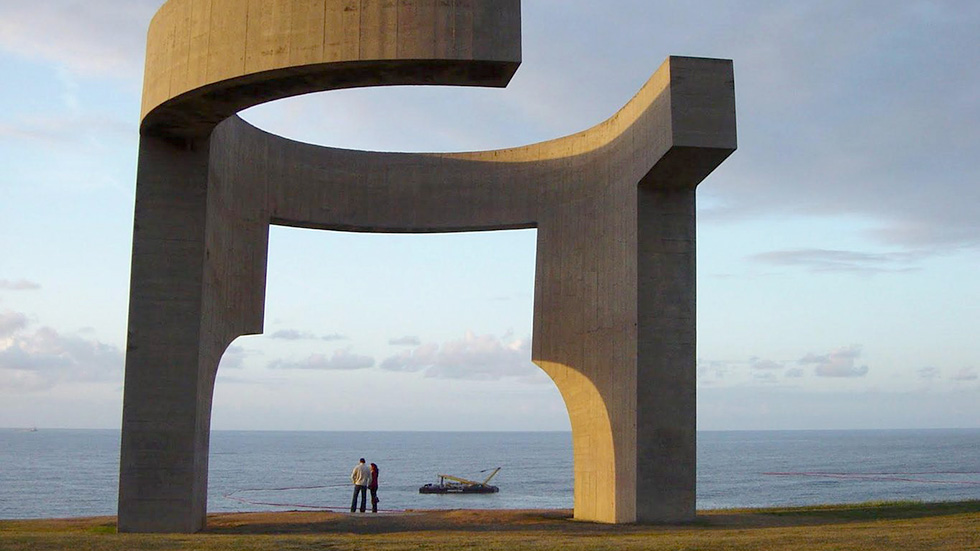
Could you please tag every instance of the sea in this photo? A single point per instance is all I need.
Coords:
(50, 473)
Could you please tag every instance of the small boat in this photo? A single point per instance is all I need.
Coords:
(449, 484)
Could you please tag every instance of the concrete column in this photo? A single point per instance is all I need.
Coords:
(666, 401)
(163, 464)
(200, 244)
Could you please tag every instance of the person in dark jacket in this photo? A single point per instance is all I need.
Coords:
(373, 486)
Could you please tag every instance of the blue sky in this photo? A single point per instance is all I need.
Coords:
(837, 248)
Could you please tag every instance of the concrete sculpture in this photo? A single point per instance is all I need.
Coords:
(614, 292)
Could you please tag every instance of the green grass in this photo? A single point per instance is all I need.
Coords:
(875, 510)
(861, 527)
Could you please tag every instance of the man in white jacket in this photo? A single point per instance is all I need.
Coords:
(361, 477)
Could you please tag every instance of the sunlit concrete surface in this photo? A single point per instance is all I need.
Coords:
(614, 299)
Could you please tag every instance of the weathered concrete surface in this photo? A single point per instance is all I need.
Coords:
(614, 309)
(208, 59)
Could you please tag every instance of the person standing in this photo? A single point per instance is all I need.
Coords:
(373, 486)
(361, 477)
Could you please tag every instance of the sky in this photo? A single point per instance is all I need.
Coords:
(838, 248)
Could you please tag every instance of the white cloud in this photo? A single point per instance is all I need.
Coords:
(72, 128)
(292, 335)
(410, 340)
(341, 360)
(416, 359)
(45, 358)
(11, 322)
(966, 374)
(94, 37)
(844, 120)
(19, 284)
(479, 357)
(838, 363)
(715, 369)
(737, 372)
(234, 357)
(297, 335)
(929, 373)
(822, 260)
(765, 365)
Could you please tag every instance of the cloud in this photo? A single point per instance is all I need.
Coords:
(739, 373)
(417, 359)
(757, 368)
(838, 363)
(765, 378)
(405, 341)
(95, 37)
(966, 374)
(18, 285)
(929, 373)
(766, 365)
(292, 335)
(827, 261)
(341, 360)
(45, 358)
(475, 357)
(66, 129)
(297, 335)
(234, 357)
(11, 322)
(714, 368)
(858, 136)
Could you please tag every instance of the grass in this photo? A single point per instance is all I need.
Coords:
(862, 527)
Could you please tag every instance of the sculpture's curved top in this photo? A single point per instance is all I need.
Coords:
(208, 59)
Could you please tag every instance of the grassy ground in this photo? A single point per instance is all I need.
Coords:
(865, 527)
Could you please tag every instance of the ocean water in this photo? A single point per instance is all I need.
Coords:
(70, 473)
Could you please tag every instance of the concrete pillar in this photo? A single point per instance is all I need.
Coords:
(200, 243)
(166, 408)
(666, 401)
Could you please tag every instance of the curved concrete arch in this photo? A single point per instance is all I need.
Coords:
(614, 307)
(206, 60)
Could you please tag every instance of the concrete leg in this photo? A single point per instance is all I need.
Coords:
(163, 464)
(198, 282)
(585, 338)
(666, 407)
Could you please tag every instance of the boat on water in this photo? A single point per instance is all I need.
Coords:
(449, 484)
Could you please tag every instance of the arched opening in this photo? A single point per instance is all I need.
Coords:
(412, 351)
